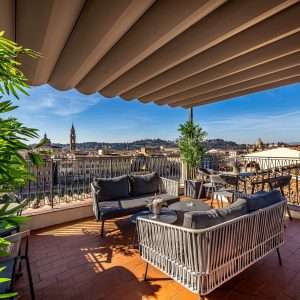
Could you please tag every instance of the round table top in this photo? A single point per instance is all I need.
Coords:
(189, 205)
(166, 216)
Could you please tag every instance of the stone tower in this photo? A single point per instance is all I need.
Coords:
(72, 139)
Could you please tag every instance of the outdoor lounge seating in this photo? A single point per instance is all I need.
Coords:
(213, 246)
(125, 195)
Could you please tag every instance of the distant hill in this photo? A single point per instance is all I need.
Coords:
(212, 143)
(224, 145)
(121, 146)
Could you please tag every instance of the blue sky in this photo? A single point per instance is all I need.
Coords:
(273, 115)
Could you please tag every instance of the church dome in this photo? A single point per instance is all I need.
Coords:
(45, 140)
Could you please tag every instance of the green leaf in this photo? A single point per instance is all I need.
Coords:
(8, 295)
(35, 158)
(14, 171)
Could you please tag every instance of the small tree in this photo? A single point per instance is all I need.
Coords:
(191, 146)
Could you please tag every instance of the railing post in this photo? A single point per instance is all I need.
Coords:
(184, 171)
(51, 182)
(110, 167)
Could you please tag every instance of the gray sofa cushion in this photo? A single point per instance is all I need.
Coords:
(204, 219)
(135, 202)
(144, 184)
(110, 209)
(201, 219)
(142, 201)
(261, 200)
(112, 188)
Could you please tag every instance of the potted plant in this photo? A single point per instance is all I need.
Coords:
(192, 151)
(13, 137)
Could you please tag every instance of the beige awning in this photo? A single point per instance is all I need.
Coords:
(176, 52)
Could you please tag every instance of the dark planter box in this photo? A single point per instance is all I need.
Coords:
(192, 187)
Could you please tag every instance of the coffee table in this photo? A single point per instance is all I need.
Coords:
(189, 205)
(166, 216)
(181, 207)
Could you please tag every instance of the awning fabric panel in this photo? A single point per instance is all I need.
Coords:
(179, 53)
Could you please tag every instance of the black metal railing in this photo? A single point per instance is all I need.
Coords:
(68, 180)
(265, 169)
(260, 171)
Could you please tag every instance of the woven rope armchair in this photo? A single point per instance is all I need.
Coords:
(203, 259)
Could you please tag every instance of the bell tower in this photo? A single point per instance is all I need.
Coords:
(72, 139)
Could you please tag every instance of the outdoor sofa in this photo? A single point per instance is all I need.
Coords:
(129, 194)
(215, 245)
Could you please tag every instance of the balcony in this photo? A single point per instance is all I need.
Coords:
(71, 261)
(203, 52)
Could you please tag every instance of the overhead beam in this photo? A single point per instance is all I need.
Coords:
(248, 91)
(160, 24)
(279, 49)
(7, 18)
(221, 24)
(268, 79)
(264, 33)
(44, 26)
(99, 27)
(244, 76)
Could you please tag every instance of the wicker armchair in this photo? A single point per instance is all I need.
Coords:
(198, 260)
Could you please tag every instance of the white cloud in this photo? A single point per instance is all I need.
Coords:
(248, 128)
(57, 103)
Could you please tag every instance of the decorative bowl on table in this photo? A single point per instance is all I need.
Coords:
(155, 206)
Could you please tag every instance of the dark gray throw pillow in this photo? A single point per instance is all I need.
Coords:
(204, 219)
(201, 219)
(112, 188)
(261, 200)
(144, 184)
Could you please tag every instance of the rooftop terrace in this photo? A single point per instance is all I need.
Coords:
(71, 261)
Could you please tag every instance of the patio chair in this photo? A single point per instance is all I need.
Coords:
(217, 244)
(206, 184)
(12, 262)
(279, 183)
(218, 188)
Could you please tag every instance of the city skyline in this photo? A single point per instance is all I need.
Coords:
(99, 119)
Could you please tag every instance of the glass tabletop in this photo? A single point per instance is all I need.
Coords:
(189, 205)
(166, 216)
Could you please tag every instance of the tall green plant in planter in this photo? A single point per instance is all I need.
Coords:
(191, 146)
(13, 136)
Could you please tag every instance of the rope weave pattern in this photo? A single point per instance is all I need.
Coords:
(202, 260)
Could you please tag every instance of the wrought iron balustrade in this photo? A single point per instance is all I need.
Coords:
(67, 180)
(258, 171)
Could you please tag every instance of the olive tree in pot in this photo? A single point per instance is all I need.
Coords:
(191, 145)
(14, 171)
(192, 151)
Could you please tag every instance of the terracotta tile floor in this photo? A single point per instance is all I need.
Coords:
(72, 262)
